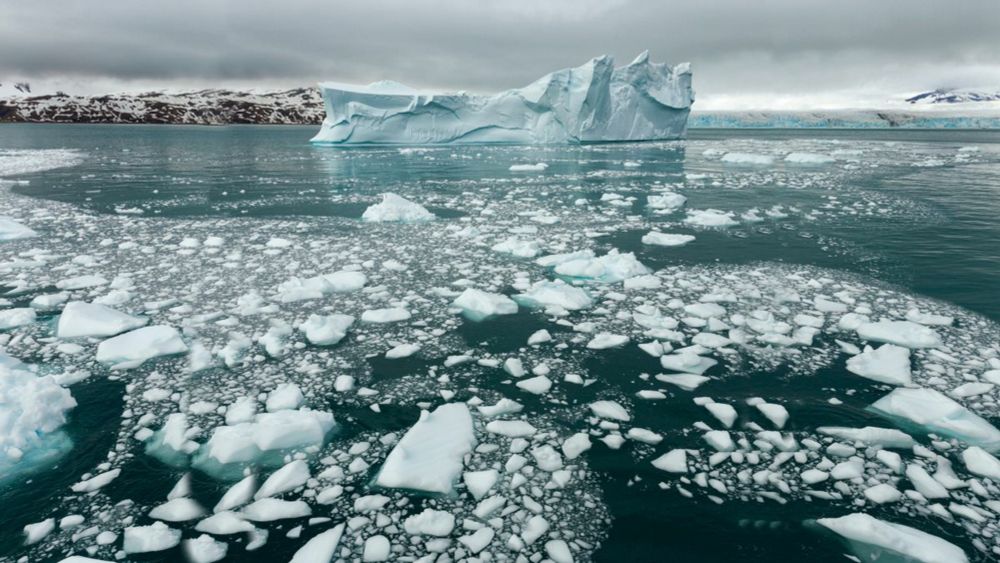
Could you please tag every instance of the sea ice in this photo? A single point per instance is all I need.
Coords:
(430, 455)
(478, 305)
(900, 333)
(935, 412)
(873, 539)
(610, 268)
(666, 239)
(322, 548)
(12, 230)
(32, 409)
(79, 319)
(395, 208)
(326, 330)
(137, 346)
(155, 537)
(886, 364)
(710, 218)
(555, 294)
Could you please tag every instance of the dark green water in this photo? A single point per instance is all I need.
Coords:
(905, 208)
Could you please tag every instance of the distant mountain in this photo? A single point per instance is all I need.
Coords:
(203, 107)
(949, 96)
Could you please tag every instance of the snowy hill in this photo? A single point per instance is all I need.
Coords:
(203, 107)
(948, 96)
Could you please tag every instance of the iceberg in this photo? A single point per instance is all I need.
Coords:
(595, 102)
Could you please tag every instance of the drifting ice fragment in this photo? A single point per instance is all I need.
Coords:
(887, 364)
(593, 102)
(430, 455)
(555, 294)
(156, 537)
(610, 268)
(872, 539)
(478, 305)
(137, 346)
(900, 333)
(80, 319)
(12, 230)
(666, 239)
(932, 411)
(394, 208)
(321, 548)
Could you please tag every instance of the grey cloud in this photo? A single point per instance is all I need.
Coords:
(737, 47)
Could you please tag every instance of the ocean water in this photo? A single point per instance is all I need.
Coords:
(888, 222)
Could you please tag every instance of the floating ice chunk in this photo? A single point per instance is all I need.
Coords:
(32, 410)
(539, 167)
(808, 158)
(610, 268)
(224, 523)
(686, 381)
(13, 318)
(539, 337)
(555, 294)
(478, 305)
(982, 463)
(286, 396)
(79, 319)
(430, 522)
(322, 548)
(204, 549)
(137, 346)
(394, 208)
(430, 455)
(511, 428)
(297, 289)
(604, 340)
(246, 442)
(687, 363)
(478, 540)
(666, 239)
(177, 510)
(726, 414)
(665, 201)
(96, 482)
(887, 364)
(720, 440)
(81, 282)
(478, 483)
(12, 230)
(291, 476)
(610, 410)
(402, 351)
(705, 310)
(558, 551)
(575, 445)
(674, 461)
(871, 435)
(777, 414)
(883, 493)
(644, 435)
(390, 315)
(518, 247)
(971, 389)
(747, 158)
(326, 330)
(872, 539)
(900, 333)
(914, 315)
(155, 537)
(552, 260)
(271, 509)
(932, 411)
(538, 385)
(34, 533)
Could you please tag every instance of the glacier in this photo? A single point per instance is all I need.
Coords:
(595, 102)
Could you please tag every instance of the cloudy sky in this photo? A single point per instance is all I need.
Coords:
(762, 53)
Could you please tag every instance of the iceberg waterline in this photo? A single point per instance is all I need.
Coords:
(595, 102)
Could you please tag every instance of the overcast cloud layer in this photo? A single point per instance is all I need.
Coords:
(767, 53)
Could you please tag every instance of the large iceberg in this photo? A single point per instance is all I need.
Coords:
(591, 103)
